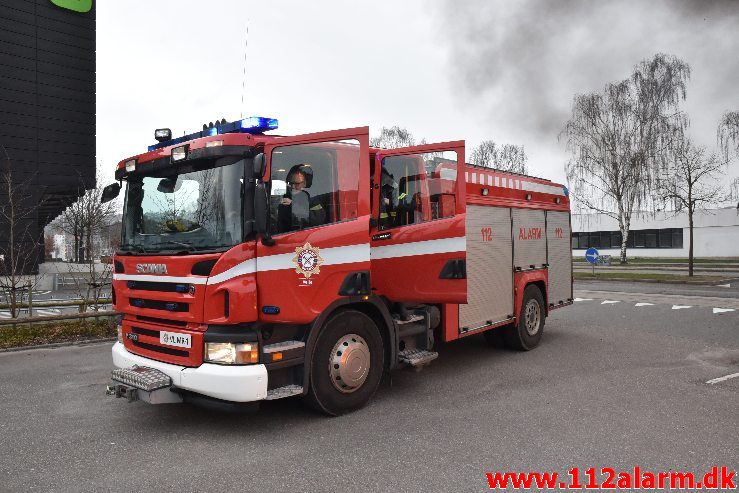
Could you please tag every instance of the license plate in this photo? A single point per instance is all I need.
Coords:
(175, 339)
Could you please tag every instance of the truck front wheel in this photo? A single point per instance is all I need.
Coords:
(347, 362)
(526, 333)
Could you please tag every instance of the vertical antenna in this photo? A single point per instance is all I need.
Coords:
(243, 80)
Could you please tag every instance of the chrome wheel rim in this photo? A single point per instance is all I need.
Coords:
(532, 317)
(349, 363)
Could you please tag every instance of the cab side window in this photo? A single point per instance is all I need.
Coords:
(417, 187)
(313, 185)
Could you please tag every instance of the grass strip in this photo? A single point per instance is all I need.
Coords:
(77, 330)
(640, 276)
(729, 262)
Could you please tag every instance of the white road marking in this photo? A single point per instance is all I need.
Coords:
(722, 379)
(52, 311)
(723, 310)
(609, 302)
(583, 299)
(680, 307)
(644, 304)
(4, 314)
(723, 285)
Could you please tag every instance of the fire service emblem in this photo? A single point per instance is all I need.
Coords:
(307, 260)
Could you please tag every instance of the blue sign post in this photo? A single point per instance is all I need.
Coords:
(591, 255)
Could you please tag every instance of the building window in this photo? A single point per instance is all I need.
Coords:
(645, 238)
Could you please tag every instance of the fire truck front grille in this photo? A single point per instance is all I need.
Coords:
(162, 349)
(170, 306)
(166, 287)
(145, 332)
(162, 321)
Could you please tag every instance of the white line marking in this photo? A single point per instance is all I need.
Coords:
(644, 304)
(722, 379)
(4, 314)
(52, 311)
(680, 307)
(723, 285)
(583, 299)
(723, 310)
(610, 302)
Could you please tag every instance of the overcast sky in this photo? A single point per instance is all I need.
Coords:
(445, 70)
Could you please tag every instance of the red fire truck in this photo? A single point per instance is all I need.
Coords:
(256, 267)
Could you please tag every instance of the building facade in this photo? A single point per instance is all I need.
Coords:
(716, 234)
(47, 112)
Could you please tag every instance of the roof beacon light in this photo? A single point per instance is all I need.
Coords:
(250, 125)
(162, 134)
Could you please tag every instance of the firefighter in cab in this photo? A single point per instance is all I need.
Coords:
(297, 209)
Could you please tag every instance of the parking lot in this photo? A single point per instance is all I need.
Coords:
(613, 384)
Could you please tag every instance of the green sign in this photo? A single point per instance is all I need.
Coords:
(76, 5)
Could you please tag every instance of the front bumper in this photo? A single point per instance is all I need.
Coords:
(229, 383)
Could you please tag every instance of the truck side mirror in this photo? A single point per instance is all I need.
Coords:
(260, 165)
(110, 192)
(261, 213)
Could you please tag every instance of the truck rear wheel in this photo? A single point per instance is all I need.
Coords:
(526, 333)
(347, 363)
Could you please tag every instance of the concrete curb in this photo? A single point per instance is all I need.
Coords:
(54, 345)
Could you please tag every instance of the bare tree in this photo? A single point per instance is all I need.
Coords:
(507, 157)
(619, 138)
(728, 141)
(728, 134)
(688, 182)
(87, 220)
(393, 137)
(19, 250)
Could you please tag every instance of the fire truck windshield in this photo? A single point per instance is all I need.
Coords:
(191, 207)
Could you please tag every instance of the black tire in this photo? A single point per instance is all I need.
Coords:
(526, 333)
(334, 396)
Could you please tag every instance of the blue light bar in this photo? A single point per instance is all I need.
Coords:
(251, 125)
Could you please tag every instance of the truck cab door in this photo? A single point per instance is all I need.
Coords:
(418, 243)
(319, 220)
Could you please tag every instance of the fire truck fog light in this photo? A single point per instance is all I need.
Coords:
(214, 143)
(179, 153)
(130, 165)
(119, 328)
(229, 353)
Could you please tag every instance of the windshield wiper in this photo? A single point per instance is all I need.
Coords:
(172, 242)
(137, 248)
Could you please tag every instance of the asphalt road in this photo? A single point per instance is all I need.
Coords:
(611, 385)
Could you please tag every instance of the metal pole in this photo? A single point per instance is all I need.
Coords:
(30, 301)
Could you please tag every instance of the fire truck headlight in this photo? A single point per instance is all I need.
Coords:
(179, 153)
(119, 328)
(229, 353)
(130, 165)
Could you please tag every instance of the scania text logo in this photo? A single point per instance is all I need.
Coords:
(151, 268)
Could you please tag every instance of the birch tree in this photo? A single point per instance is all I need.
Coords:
(507, 157)
(618, 138)
(392, 138)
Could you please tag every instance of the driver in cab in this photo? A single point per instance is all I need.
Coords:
(297, 210)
